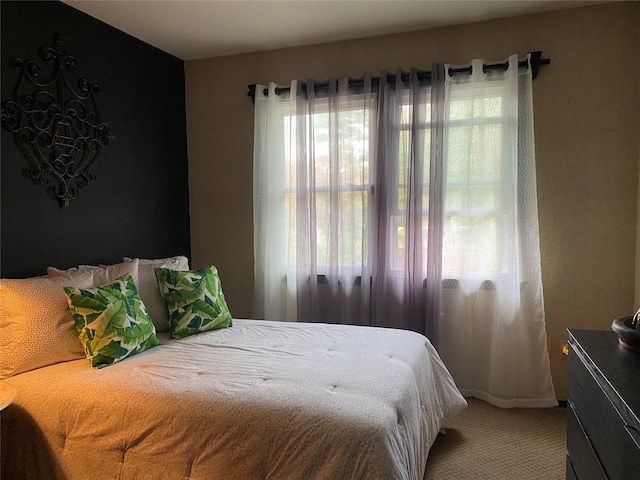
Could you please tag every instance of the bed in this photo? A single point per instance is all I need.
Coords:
(259, 400)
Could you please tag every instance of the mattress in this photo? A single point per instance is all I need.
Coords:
(259, 400)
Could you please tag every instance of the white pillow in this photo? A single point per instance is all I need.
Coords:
(102, 274)
(149, 290)
(36, 324)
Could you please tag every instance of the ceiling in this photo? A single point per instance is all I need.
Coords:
(191, 29)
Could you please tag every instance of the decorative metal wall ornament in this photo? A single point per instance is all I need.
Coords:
(57, 127)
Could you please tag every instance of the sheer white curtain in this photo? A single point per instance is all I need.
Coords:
(274, 274)
(410, 203)
(493, 336)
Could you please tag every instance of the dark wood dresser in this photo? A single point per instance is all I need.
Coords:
(603, 430)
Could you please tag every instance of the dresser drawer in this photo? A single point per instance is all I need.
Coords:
(605, 430)
(584, 463)
(571, 475)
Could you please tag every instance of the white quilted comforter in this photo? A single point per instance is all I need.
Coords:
(259, 400)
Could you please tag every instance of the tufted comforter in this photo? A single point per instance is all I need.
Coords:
(259, 400)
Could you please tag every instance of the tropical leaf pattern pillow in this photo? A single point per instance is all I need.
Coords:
(111, 320)
(194, 300)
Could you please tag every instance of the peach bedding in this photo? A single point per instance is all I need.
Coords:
(259, 400)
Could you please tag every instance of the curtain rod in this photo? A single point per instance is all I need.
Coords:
(536, 62)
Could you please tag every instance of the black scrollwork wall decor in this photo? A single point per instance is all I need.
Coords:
(56, 124)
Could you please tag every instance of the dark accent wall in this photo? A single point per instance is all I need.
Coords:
(139, 203)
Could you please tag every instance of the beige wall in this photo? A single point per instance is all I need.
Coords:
(586, 107)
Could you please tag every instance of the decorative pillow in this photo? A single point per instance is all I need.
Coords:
(36, 328)
(111, 321)
(148, 286)
(194, 300)
(102, 274)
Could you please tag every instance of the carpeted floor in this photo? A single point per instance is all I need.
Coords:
(489, 443)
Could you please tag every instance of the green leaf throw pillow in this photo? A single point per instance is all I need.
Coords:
(194, 300)
(111, 320)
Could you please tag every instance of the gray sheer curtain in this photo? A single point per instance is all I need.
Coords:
(402, 267)
(362, 196)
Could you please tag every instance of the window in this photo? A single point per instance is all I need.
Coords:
(475, 190)
(338, 177)
(341, 180)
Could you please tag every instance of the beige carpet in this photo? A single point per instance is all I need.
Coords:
(486, 442)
